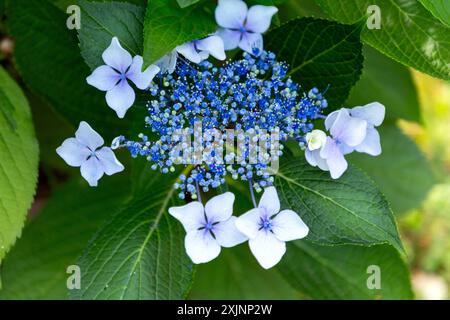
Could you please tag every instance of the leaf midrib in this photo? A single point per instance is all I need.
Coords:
(153, 228)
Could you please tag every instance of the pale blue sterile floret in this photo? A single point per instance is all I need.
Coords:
(351, 130)
(252, 94)
(208, 228)
(241, 26)
(87, 152)
(195, 51)
(120, 67)
(268, 229)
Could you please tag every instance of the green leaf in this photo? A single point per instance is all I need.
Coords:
(341, 272)
(7, 111)
(304, 8)
(36, 267)
(401, 171)
(139, 253)
(350, 210)
(236, 275)
(104, 20)
(51, 130)
(320, 53)
(47, 56)
(167, 26)
(409, 33)
(439, 8)
(19, 157)
(186, 3)
(388, 82)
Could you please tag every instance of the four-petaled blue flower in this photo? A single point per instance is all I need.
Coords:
(86, 151)
(208, 228)
(243, 27)
(351, 130)
(195, 51)
(268, 229)
(113, 77)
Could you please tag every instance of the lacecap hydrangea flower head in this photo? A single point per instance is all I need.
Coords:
(224, 119)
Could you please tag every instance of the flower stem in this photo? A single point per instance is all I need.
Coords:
(199, 196)
(252, 193)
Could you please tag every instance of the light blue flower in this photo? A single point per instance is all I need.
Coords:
(195, 51)
(113, 77)
(243, 27)
(374, 114)
(86, 151)
(208, 228)
(268, 229)
(347, 132)
(199, 50)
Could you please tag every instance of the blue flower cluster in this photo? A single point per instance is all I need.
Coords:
(253, 95)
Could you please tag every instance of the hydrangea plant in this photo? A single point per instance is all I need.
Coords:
(251, 99)
(237, 137)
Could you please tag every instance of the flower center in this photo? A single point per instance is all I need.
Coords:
(123, 77)
(92, 154)
(209, 226)
(265, 223)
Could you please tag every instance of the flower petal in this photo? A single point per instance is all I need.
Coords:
(310, 158)
(231, 14)
(373, 113)
(191, 216)
(371, 144)
(141, 79)
(248, 223)
(259, 18)
(251, 41)
(92, 171)
(89, 137)
(73, 152)
(288, 226)
(189, 52)
(230, 38)
(203, 55)
(103, 78)
(201, 247)
(270, 201)
(121, 98)
(109, 161)
(220, 208)
(227, 234)
(348, 130)
(315, 160)
(334, 157)
(331, 118)
(168, 63)
(316, 139)
(117, 57)
(345, 149)
(213, 45)
(267, 249)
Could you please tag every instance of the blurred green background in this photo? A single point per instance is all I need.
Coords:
(426, 230)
